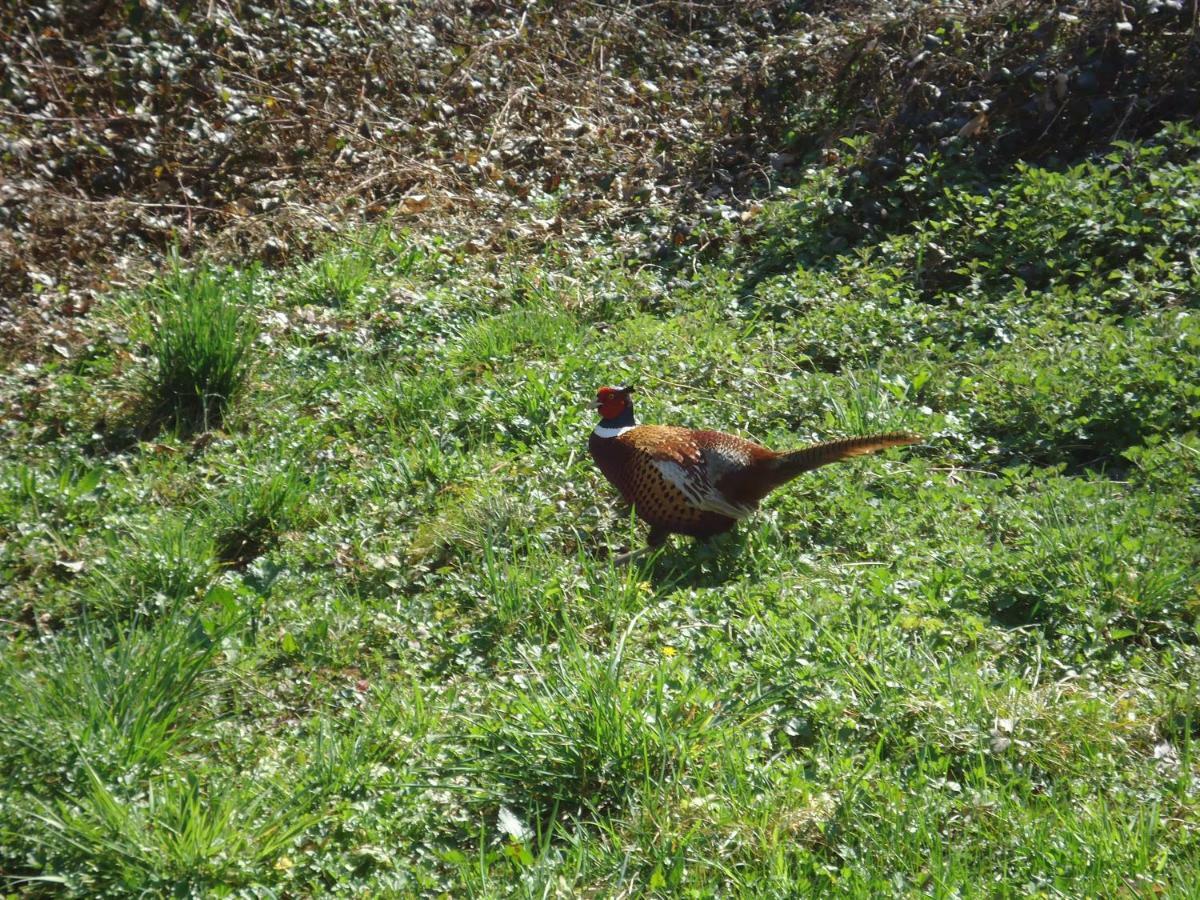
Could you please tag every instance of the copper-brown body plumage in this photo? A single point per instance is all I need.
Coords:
(701, 483)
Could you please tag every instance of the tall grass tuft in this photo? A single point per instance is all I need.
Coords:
(338, 277)
(589, 735)
(164, 563)
(201, 345)
(117, 701)
(251, 515)
(187, 835)
(497, 339)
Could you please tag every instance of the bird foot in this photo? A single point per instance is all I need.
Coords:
(655, 541)
(625, 559)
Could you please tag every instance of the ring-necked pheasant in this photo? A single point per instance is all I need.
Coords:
(700, 483)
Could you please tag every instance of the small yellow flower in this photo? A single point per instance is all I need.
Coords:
(284, 863)
(668, 652)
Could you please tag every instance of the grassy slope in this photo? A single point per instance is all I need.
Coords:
(366, 634)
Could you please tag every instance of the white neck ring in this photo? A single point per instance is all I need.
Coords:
(603, 432)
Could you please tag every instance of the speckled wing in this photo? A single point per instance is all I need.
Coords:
(693, 462)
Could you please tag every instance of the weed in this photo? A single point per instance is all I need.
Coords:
(527, 331)
(188, 834)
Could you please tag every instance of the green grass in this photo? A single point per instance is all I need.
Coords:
(200, 341)
(338, 277)
(366, 635)
(107, 704)
(250, 516)
(165, 562)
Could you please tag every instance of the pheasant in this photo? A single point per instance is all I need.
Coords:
(701, 483)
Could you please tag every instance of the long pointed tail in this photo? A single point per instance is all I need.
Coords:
(788, 465)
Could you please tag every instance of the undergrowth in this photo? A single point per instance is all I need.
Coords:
(358, 629)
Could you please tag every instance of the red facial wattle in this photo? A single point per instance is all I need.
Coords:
(610, 407)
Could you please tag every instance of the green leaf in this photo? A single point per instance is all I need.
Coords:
(88, 482)
(657, 880)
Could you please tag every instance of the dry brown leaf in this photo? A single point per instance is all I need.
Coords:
(414, 203)
(975, 126)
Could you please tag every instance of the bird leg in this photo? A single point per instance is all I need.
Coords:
(626, 558)
(657, 537)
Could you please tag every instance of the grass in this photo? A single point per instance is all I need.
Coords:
(200, 342)
(166, 562)
(108, 704)
(250, 516)
(366, 635)
(186, 832)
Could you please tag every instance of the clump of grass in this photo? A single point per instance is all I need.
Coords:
(200, 345)
(473, 519)
(166, 562)
(338, 277)
(403, 400)
(870, 402)
(184, 836)
(349, 267)
(589, 735)
(113, 700)
(252, 514)
(495, 339)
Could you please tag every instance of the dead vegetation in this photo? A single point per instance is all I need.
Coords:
(249, 128)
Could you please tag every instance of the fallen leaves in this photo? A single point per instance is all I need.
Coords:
(413, 204)
(248, 133)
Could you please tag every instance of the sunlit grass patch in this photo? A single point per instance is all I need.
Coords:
(188, 833)
(337, 277)
(1083, 395)
(582, 734)
(60, 496)
(867, 403)
(119, 701)
(531, 331)
(164, 563)
(1087, 558)
(200, 343)
(469, 518)
(355, 263)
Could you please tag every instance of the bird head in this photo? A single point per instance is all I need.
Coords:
(612, 402)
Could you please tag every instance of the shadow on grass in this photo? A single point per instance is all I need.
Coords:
(685, 562)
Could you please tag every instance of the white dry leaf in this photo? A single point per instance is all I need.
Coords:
(1166, 757)
(510, 825)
